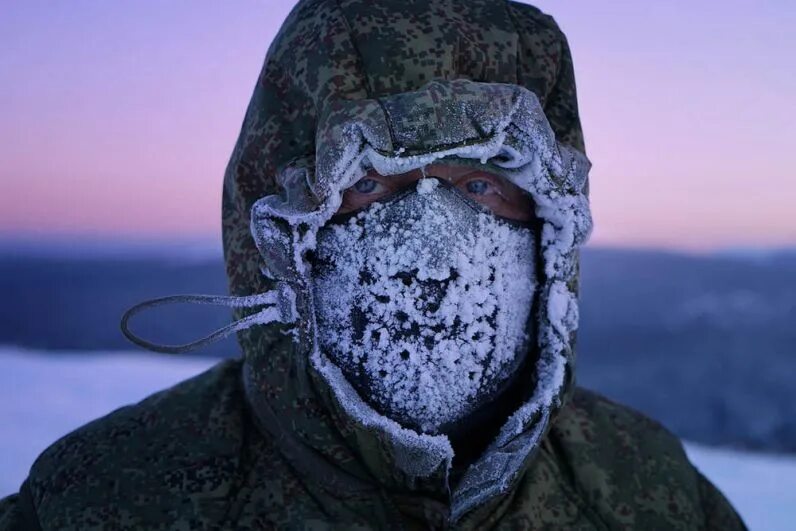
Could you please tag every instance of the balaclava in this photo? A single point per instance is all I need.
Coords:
(423, 302)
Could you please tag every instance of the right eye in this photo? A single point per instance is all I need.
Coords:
(367, 186)
(479, 187)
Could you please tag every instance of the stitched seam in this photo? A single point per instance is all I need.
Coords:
(517, 61)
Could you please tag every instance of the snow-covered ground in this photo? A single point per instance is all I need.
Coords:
(761, 487)
(44, 396)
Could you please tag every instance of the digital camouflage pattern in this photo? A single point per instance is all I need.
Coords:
(191, 458)
(258, 443)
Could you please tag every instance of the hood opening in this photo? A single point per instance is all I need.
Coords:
(517, 141)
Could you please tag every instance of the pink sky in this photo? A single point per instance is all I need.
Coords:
(118, 117)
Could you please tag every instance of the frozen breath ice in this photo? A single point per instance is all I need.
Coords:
(424, 302)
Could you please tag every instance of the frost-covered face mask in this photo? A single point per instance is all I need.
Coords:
(423, 301)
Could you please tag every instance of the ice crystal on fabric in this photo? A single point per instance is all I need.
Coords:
(425, 303)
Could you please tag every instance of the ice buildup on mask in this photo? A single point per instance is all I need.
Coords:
(423, 302)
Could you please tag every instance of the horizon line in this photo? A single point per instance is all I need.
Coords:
(210, 246)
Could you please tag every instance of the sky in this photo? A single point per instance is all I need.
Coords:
(118, 118)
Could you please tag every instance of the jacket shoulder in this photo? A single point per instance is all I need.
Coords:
(534, 14)
(153, 462)
(629, 469)
(591, 418)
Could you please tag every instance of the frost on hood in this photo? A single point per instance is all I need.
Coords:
(423, 302)
(500, 125)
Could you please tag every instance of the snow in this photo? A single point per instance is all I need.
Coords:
(45, 395)
(427, 185)
(761, 487)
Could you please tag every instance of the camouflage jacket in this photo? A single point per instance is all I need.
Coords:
(192, 457)
(279, 440)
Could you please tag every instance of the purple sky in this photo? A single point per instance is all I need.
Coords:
(118, 117)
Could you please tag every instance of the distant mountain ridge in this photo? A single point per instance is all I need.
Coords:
(95, 248)
(706, 344)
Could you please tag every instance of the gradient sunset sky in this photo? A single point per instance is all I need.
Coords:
(117, 118)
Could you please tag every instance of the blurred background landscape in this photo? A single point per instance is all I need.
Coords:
(703, 343)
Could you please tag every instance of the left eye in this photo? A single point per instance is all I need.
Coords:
(478, 186)
(365, 186)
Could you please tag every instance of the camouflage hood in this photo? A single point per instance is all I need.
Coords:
(393, 86)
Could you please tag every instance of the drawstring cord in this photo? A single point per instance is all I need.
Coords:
(280, 306)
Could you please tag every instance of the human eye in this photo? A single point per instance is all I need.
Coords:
(496, 193)
(364, 192)
(479, 187)
(366, 185)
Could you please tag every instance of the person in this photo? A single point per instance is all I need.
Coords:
(401, 217)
